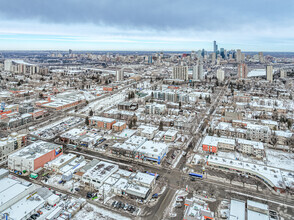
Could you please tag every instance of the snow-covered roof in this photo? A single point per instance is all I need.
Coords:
(255, 144)
(144, 178)
(213, 141)
(252, 215)
(153, 149)
(136, 140)
(103, 119)
(127, 133)
(147, 129)
(35, 150)
(24, 206)
(271, 174)
(237, 210)
(171, 132)
(101, 171)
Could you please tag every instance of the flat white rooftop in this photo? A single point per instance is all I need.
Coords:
(144, 178)
(24, 206)
(35, 150)
(103, 119)
(255, 144)
(101, 171)
(252, 215)
(5, 183)
(213, 141)
(11, 192)
(237, 210)
(171, 132)
(136, 140)
(153, 149)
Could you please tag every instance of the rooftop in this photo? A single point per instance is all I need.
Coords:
(213, 141)
(35, 150)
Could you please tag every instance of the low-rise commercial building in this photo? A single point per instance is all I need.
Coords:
(147, 131)
(101, 122)
(152, 151)
(33, 156)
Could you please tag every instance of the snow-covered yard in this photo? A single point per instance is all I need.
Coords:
(91, 212)
(279, 159)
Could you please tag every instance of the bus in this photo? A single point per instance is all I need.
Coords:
(195, 175)
(153, 174)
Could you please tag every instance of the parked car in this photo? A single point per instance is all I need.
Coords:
(155, 195)
(179, 199)
(118, 205)
(126, 206)
(89, 195)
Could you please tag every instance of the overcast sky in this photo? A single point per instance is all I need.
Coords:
(251, 25)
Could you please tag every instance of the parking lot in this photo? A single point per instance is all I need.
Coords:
(51, 131)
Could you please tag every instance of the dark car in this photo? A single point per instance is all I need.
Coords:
(113, 204)
(89, 195)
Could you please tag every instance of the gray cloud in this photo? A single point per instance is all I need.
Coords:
(156, 14)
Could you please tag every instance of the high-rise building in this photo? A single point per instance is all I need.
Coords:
(180, 72)
(269, 73)
(198, 54)
(213, 55)
(261, 58)
(70, 51)
(239, 56)
(242, 71)
(7, 65)
(198, 72)
(220, 75)
(120, 75)
(214, 47)
(222, 53)
(150, 59)
(195, 72)
(283, 73)
(203, 53)
(243, 57)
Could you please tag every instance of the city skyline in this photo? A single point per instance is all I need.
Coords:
(147, 26)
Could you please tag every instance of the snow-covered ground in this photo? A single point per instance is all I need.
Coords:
(179, 193)
(91, 212)
(279, 159)
(68, 186)
(88, 96)
(238, 156)
(178, 159)
(196, 159)
(104, 103)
